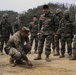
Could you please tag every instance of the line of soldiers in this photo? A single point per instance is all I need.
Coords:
(49, 29)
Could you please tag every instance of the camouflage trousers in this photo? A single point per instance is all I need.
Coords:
(57, 43)
(32, 38)
(74, 47)
(49, 40)
(17, 55)
(2, 40)
(53, 44)
(67, 40)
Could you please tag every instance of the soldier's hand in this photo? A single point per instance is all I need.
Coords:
(38, 33)
(56, 35)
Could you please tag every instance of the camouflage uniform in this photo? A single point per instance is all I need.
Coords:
(5, 30)
(57, 20)
(66, 31)
(47, 29)
(74, 45)
(34, 30)
(19, 24)
(17, 48)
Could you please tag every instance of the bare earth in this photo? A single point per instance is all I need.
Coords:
(57, 66)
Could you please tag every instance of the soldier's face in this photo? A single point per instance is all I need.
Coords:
(60, 14)
(66, 16)
(5, 18)
(34, 19)
(24, 34)
(21, 19)
(46, 11)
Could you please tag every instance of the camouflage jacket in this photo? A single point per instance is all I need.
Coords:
(57, 20)
(5, 29)
(33, 26)
(66, 28)
(46, 24)
(17, 42)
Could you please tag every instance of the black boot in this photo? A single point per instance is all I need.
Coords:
(38, 57)
(47, 58)
(12, 62)
(72, 58)
(61, 56)
(20, 62)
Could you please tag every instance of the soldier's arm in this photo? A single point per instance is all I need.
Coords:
(0, 29)
(54, 28)
(27, 40)
(30, 26)
(15, 27)
(59, 29)
(39, 25)
(11, 29)
(74, 28)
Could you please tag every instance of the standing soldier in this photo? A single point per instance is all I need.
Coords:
(20, 23)
(74, 43)
(58, 17)
(5, 30)
(18, 47)
(46, 32)
(66, 32)
(34, 32)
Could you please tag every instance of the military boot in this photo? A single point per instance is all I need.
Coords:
(12, 62)
(20, 62)
(56, 54)
(70, 55)
(35, 51)
(38, 57)
(72, 58)
(61, 56)
(47, 58)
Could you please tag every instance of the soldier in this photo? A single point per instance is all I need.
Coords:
(34, 32)
(66, 32)
(58, 17)
(5, 30)
(20, 22)
(46, 32)
(18, 47)
(74, 43)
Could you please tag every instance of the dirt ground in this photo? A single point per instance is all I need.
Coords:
(57, 66)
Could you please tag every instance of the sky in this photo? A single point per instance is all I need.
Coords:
(24, 5)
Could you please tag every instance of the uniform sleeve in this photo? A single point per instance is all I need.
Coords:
(27, 40)
(11, 29)
(39, 25)
(59, 29)
(54, 24)
(30, 26)
(74, 28)
(15, 27)
(0, 28)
